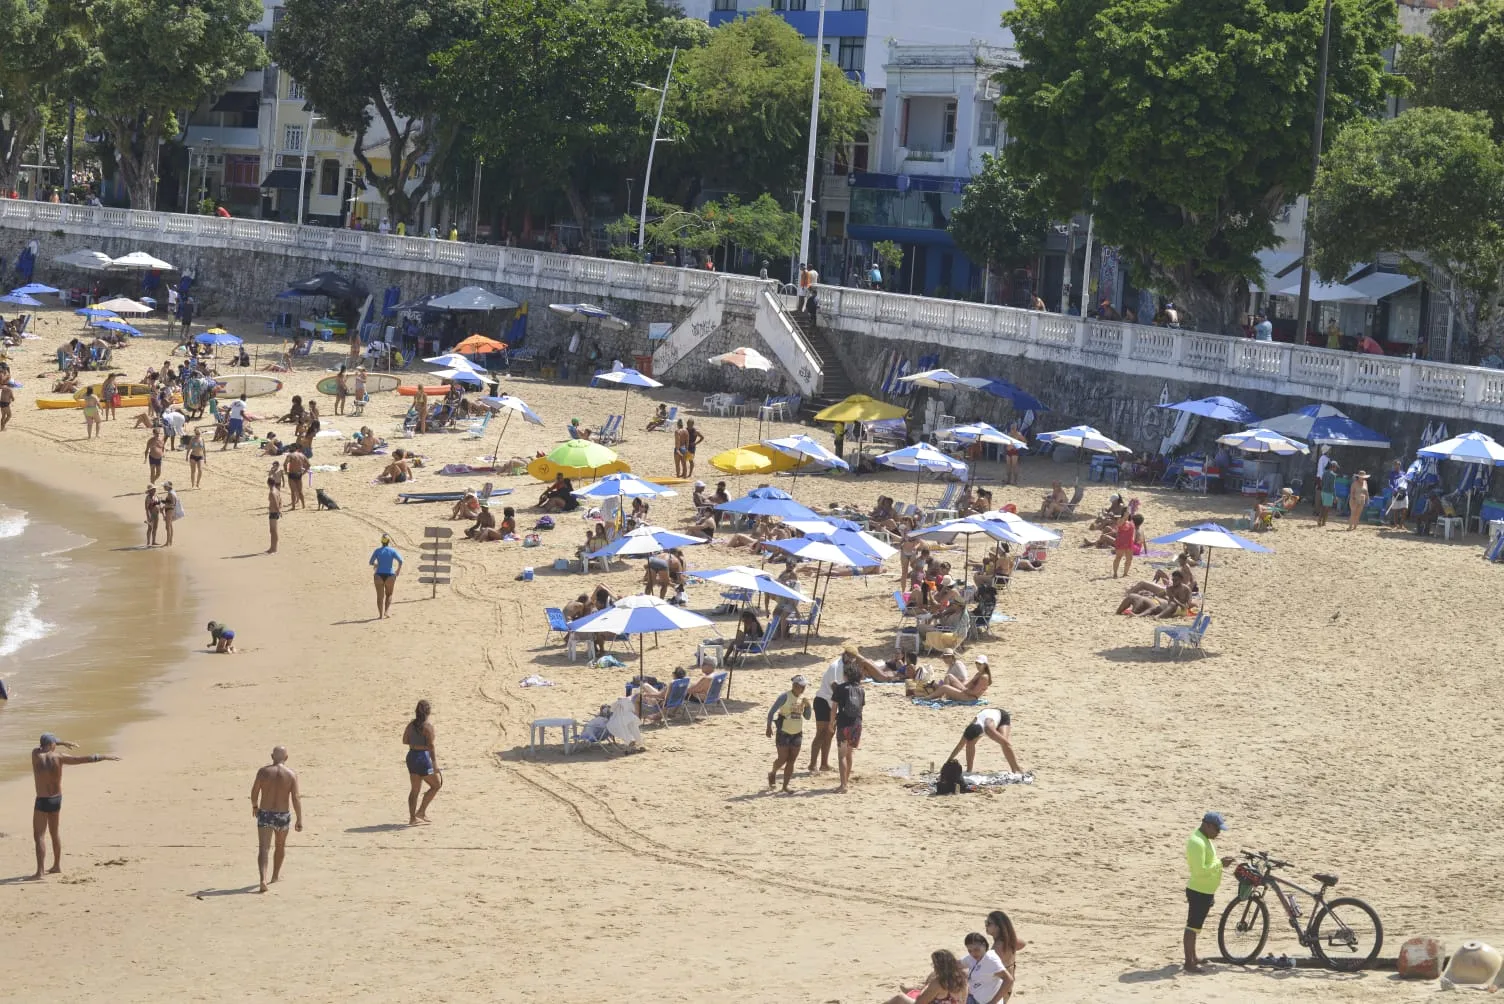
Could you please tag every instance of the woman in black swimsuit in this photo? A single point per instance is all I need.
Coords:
(422, 764)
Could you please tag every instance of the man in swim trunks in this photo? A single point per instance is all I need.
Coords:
(47, 771)
(681, 441)
(154, 450)
(273, 511)
(6, 397)
(275, 786)
(694, 437)
(296, 468)
(388, 564)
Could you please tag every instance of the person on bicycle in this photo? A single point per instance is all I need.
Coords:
(1205, 876)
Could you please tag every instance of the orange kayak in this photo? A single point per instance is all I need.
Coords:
(438, 391)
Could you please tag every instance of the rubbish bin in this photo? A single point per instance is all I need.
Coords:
(643, 364)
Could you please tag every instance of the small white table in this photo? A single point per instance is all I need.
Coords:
(538, 735)
(1449, 524)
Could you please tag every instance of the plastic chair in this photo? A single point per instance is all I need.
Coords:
(1181, 638)
(944, 508)
(807, 620)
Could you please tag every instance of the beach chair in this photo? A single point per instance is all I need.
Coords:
(757, 646)
(905, 612)
(807, 620)
(945, 508)
(477, 428)
(557, 625)
(674, 702)
(610, 430)
(594, 733)
(1180, 638)
(713, 697)
(1076, 497)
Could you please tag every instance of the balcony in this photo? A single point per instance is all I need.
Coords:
(918, 160)
(231, 138)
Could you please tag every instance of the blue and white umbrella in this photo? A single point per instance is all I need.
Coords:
(1223, 409)
(33, 289)
(218, 338)
(933, 379)
(1211, 535)
(857, 540)
(754, 580)
(1324, 425)
(114, 324)
(452, 360)
(624, 485)
(1468, 448)
(508, 404)
(645, 541)
(1029, 533)
(640, 615)
(949, 530)
(94, 313)
(626, 378)
(1083, 437)
(919, 459)
(462, 375)
(589, 312)
(1021, 399)
(825, 552)
(981, 432)
(1264, 441)
(19, 299)
(806, 451)
(769, 501)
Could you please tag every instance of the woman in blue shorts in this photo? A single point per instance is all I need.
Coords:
(422, 764)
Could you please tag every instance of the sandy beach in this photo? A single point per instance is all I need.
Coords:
(1344, 718)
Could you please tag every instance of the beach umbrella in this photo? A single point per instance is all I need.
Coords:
(469, 298)
(33, 289)
(743, 359)
(821, 524)
(640, 615)
(981, 432)
(1028, 533)
(124, 305)
(768, 501)
(581, 457)
(1211, 535)
(1083, 437)
(1020, 399)
(856, 540)
(1263, 441)
(860, 408)
(508, 404)
(480, 345)
(141, 261)
(451, 360)
(645, 541)
(748, 460)
(20, 300)
(590, 312)
(934, 379)
(627, 378)
(218, 338)
(754, 580)
(94, 312)
(825, 552)
(806, 451)
(624, 485)
(84, 258)
(1324, 425)
(1473, 448)
(919, 459)
(462, 375)
(1223, 409)
(949, 530)
(114, 324)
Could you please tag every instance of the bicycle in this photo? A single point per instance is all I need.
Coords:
(1336, 933)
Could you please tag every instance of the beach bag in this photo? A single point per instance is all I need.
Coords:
(544, 523)
(177, 510)
(531, 540)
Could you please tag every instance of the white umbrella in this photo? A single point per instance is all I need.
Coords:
(624, 485)
(93, 261)
(124, 305)
(920, 458)
(626, 378)
(981, 432)
(946, 531)
(1468, 448)
(1211, 535)
(743, 358)
(142, 261)
(933, 379)
(464, 376)
(508, 404)
(1029, 533)
(1084, 437)
(754, 580)
(641, 614)
(1264, 441)
(645, 541)
(452, 360)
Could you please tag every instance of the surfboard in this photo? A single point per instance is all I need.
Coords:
(376, 383)
(249, 384)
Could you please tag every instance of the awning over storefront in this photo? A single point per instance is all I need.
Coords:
(286, 178)
(1381, 284)
(238, 101)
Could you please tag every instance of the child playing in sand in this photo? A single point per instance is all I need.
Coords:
(221, 638)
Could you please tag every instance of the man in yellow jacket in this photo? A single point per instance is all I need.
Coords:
(1201, 887)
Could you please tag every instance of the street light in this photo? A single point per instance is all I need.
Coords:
(647, 178)
(1303, 311)
(303, 163)
(814, 128)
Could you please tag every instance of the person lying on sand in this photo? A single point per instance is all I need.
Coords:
(1140, 605)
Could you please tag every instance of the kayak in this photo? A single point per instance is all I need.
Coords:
(123, 389)
(409, 391)
(54, 401)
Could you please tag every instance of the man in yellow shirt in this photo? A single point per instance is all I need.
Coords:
(1205, 876)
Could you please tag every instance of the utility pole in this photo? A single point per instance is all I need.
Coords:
(1303, 313)
(303, 164)
(814, 129)
(647, 178)
(68, 156)
(475, 203)
(1086, 265)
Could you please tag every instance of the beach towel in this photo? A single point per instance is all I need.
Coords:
(465, 469)
(535, 681)
(925, 702)
(1000, 779)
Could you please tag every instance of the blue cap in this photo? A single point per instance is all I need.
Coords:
(1215, 818)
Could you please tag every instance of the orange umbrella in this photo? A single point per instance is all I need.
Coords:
(477, 345)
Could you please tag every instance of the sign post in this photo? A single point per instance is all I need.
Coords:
(433, 567)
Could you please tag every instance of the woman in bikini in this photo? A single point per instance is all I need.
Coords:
(422, 764)
(1005, 942)
(972, 691)
(946, 984)
(196, 455)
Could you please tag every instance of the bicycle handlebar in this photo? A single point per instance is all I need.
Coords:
(1266, 859)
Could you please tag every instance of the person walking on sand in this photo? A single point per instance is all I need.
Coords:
(296, 469)
(7, 398)
(388, 563)
(341, 390)
(1125, 539)
(168, 503)
(693, 438)
(153, 453)
(848, 699)
(275, 787)
(681, 440)
(47, 772)
(235, 424)
(790, 710)
(422, 764)
(273, 512)
(91, 415)
(197, 457)
(1357, 499)
(153, 515)
(1201, 887)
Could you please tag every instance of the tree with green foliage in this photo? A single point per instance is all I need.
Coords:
(154, 60)
(1186, 127)
(545, 88)
(890, 255)
(367, 67)
(739, 110)
(45, 48)
(762, 227)
(1429, 186)
(1460, 63)
(1001, 219)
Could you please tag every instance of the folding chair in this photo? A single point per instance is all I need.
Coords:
(713, 697)
(557, 625)
(944, 508)
(477, 428)
(674, 702)
(758, 646)
(807, 620)
(1076, 497)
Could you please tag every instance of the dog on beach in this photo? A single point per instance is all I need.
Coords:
(325, 502)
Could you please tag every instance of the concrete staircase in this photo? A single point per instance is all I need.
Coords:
(837, 385)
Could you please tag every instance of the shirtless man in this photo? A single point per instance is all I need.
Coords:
(276, 785)
(47, 770)
(273, 512)
(154, 450)
(681, 443)
(692, 439)
(296, 468)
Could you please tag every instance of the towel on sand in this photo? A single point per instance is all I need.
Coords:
(925, 702)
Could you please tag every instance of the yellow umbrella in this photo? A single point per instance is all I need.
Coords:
(860, 408)
(745, 460)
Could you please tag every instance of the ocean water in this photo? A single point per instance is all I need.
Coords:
(86, 620)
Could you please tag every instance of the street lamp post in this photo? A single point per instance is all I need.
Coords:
(647, 178)
(814, 129)
(303, 164)
(1303, 313)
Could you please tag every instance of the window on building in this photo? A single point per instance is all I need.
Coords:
(277, 13)
(295, 91)
(859, 147)
(242, 171)
(853, 4)
(790, 4)
(903, 124)
(725, 4)
(329, 177)
(987, 125)
(853, 53)
(949, 139)
(292, 138)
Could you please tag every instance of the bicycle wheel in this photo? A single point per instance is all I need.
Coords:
(1243, 930)
(1347, 935)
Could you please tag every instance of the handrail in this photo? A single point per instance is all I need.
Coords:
(1409, 385)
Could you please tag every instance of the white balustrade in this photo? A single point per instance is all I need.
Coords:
(1153, 344)
(1204, 352)
(1057, 330)
(1317, 367)
(1104, 338)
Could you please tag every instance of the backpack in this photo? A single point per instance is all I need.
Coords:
(544, 523)
(952, 779)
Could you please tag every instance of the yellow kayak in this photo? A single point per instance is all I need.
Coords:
(51, 401)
